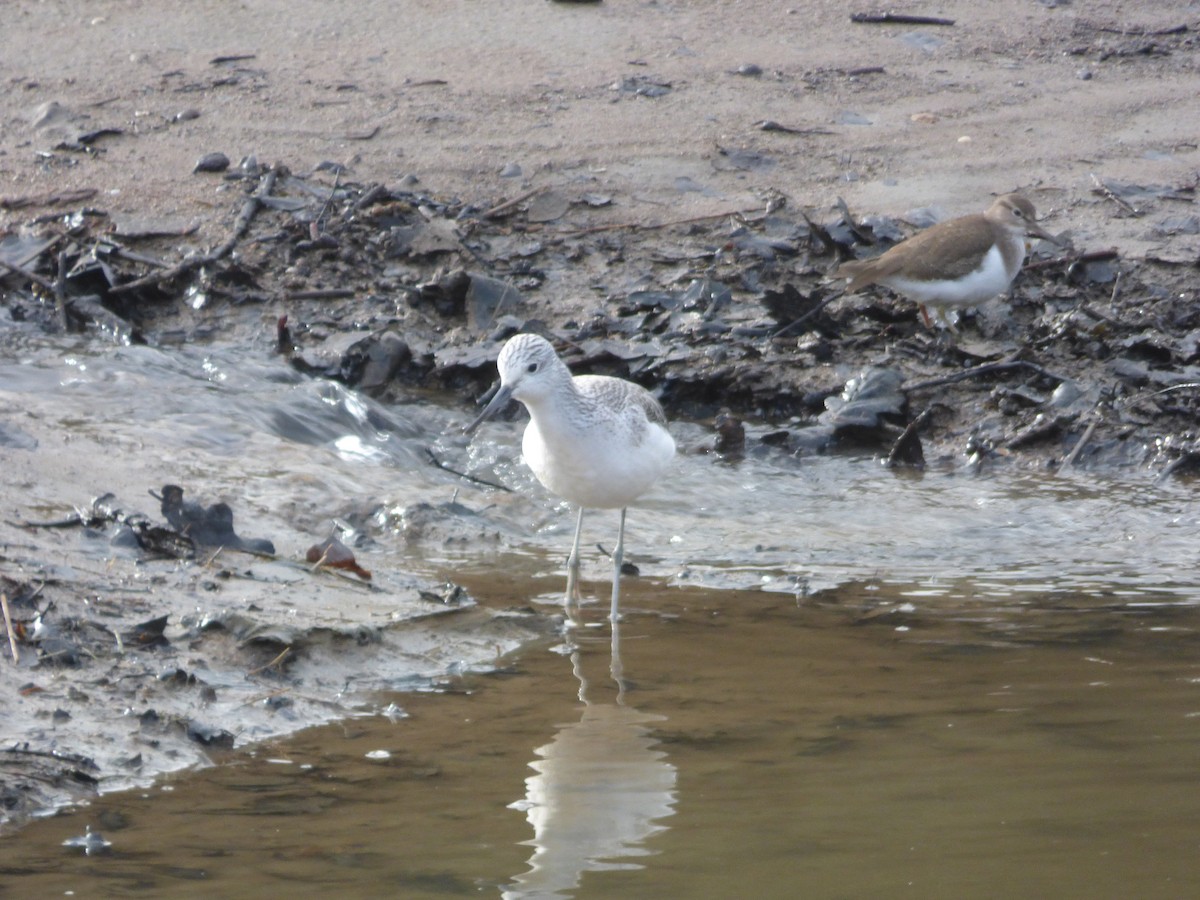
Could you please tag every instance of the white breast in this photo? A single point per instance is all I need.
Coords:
(990, 279)
(597, 467)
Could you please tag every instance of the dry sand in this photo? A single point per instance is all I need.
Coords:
(1017, 93)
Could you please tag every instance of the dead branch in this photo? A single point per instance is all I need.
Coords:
(1073, 259)
(986, 369)
(1041, 428)
(891, 18)
(907, 448)
(240, 226)
(1079, 445)
(471, 478)
(510, 204)
(25, 273)
(12, 637)
(1104, 190)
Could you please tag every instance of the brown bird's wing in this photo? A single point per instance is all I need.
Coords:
(946, 250)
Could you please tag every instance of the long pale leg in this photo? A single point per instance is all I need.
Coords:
(615, 666)
(573, 565)
(617, 558)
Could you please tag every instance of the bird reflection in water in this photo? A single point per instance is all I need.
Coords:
(600, 790)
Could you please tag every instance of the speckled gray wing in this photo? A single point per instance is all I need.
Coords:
(948, 250)
(650, 406)
(616, 393)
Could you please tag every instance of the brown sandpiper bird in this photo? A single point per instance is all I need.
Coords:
(958, 263)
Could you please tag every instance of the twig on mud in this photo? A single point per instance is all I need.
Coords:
(891, 18)
(1104, 190)
(60, 291)
(862, 234)
(510, 204)
(986, 369)
(1090, 310)
(1072, 259)
(25, 273)
(12, 637)
(1041, 428)
(240, 226)
(636, 226)
(278, 659)
(772, 125)
(316, 223)
(902, 449)
(1079, 445)
(471, 478)
(1142, 32)
(321, 294)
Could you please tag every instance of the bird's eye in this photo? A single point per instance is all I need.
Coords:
(531, 368)
(1018, 213)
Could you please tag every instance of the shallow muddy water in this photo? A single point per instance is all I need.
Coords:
(758, 748)
(837, 681)
(291, 453)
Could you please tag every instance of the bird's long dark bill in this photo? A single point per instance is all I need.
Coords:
(499, 401)
(1035, 230)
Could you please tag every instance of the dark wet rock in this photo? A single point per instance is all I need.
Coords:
(424, 238)
(731, 435)
(475, 358)
(440, 523)
(796, 311)
(370, 364)
(211, 162)
(448, 594)
(54, 647)
(866, 402)
(209, 735)
(147, 634)
(177, 678)
(487, 299)
(907, 451)
(210, 526)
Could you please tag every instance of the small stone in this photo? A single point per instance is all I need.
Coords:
(212, 162)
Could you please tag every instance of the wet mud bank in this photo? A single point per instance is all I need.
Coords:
(1090, 359)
